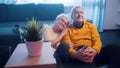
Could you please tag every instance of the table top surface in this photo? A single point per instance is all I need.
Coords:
(20, 56)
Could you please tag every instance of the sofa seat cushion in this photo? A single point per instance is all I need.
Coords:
(12, 24)
(22, 23)
(7, 31)
(9, 37)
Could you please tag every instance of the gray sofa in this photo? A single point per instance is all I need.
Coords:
(18, 14)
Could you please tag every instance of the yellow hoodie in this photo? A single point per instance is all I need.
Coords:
(87, 35)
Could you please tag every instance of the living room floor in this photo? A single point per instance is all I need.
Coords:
(110, 37)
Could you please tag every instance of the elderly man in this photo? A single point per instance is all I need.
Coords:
(83, 39)
(82, 45)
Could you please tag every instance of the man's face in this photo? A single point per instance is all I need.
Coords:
(78, 15)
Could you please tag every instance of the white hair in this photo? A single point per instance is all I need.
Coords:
(73, 9)
(60, 16)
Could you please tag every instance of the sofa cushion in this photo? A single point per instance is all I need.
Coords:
(21, 12)
(49, 11)
(3, 12)
(12, 24)
(9, 37)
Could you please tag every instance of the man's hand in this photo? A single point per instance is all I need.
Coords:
(89, 54)
(85, 54)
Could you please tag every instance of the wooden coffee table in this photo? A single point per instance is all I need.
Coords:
(20, 58)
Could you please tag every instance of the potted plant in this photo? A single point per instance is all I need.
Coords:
(33, 38)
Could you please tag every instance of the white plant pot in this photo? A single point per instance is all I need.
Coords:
(34, 48)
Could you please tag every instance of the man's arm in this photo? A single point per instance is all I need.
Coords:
(96, 41)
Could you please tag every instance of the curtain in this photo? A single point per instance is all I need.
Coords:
(95, 10)
(8, 1)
